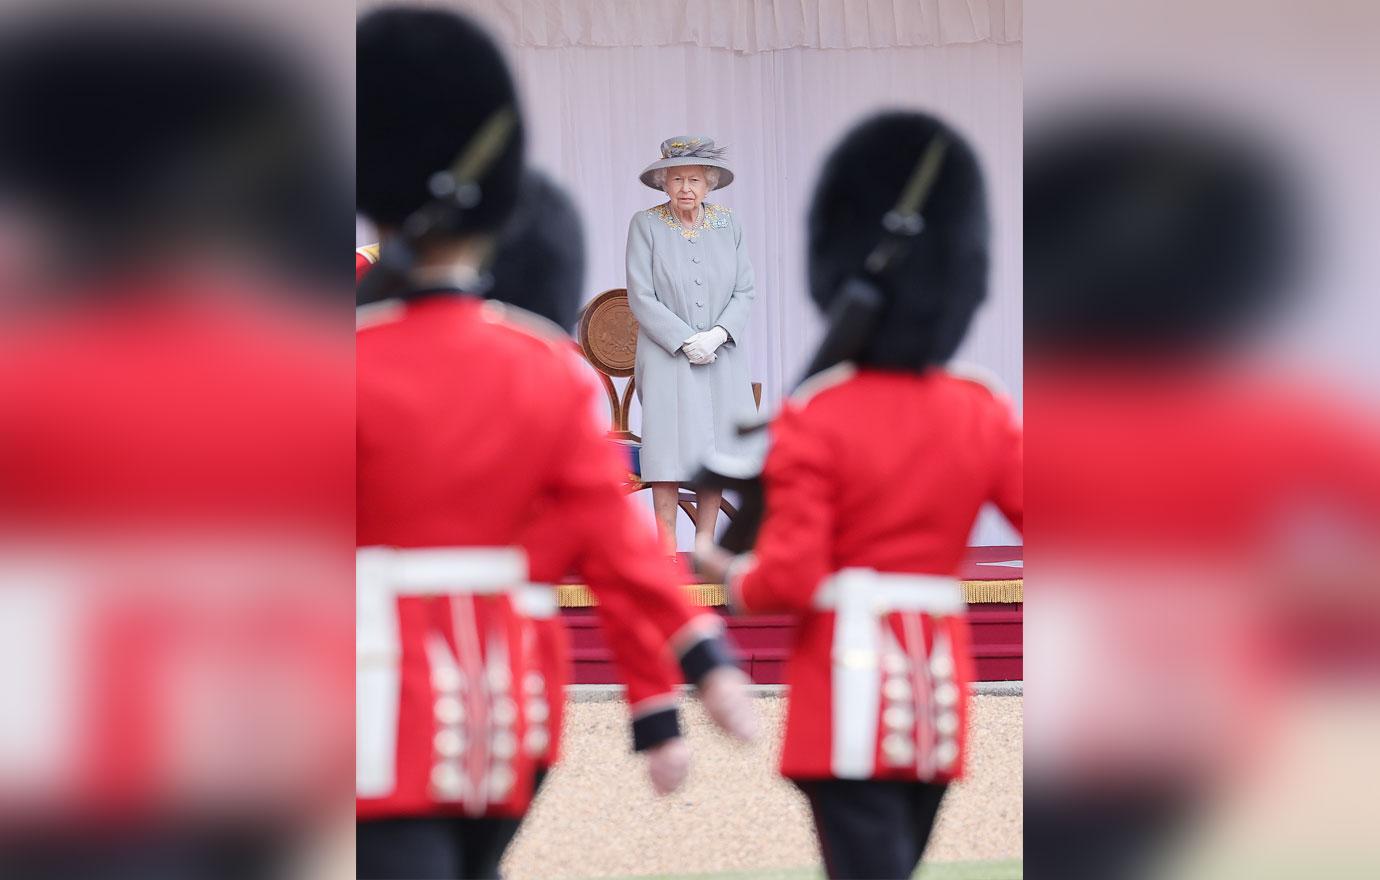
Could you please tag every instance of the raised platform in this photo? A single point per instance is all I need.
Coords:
(995, 598)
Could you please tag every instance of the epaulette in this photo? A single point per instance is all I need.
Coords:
(525, 322)
(822, 381)
(374, 314)
(979, 376)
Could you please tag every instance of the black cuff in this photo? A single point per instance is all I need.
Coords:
(706, 655)
(655, 728)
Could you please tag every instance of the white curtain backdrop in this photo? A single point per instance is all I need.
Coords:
(747, 25)
(596, 112)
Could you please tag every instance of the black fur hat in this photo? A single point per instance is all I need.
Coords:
(427, 81)
(539, 264)
(135, 131)
(933, 288)
(1151, 228)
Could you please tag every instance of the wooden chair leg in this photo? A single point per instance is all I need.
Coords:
(691, 509)
(690, 503)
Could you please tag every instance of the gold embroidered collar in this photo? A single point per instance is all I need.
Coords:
(711, 217)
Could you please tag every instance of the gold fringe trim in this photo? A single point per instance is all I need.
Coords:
(1008, 592)
(574, 596)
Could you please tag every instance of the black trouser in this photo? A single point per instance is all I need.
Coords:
(145, 851)
(870, 828)
(1072, 835)
(433, 848)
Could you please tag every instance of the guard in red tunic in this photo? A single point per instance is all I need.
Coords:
(877, 469)
(1199, 502)
(482, 474)
(175, 451)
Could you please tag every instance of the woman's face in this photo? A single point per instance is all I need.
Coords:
(687, 185)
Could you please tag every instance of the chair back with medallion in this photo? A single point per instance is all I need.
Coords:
(608, 337)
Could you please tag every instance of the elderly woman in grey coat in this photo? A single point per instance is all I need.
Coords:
(690, 286)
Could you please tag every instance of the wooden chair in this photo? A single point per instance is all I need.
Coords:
(608, 338)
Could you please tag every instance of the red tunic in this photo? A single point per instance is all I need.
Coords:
(1203, 525)
(873, 483)
(476, 429)
(175, 493)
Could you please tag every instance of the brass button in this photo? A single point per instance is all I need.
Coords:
(445, 679)
(946, 694)
(946, 754)
(898, 717)
(503, 745)
(504, 712)
(946, 723)
(448, 710)
(500, 782)
(536, 741)
(446, 781)
(449, 742)
(898, 750)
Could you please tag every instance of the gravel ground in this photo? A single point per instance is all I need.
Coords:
(597, 817)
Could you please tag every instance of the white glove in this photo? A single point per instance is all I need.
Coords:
(668, 764)
(705, 344)
(696, 354)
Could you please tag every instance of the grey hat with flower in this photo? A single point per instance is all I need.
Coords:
(688, 150)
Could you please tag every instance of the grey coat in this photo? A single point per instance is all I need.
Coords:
(679, 283)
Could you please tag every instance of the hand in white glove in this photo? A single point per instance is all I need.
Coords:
(701, 347)
(668, 764)
(696, 354)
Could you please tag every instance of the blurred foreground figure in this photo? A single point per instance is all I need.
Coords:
(482, 477)
(1205, 535)
(877, 469)
(175, 456)
(538, 262)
